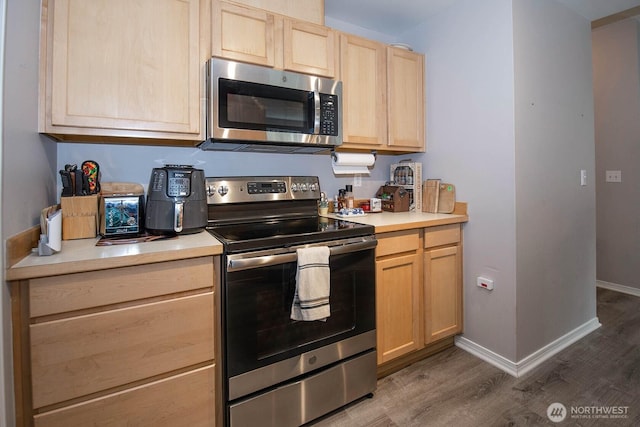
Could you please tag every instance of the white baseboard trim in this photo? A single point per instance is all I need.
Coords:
(618, 288)
(518, 369)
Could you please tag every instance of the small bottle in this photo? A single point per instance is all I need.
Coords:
(336, 208)
(349, 196)
(341, 201)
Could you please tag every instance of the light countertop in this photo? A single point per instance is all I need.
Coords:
(83, 255)
(397, 221)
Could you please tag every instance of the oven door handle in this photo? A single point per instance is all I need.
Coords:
(275, 259)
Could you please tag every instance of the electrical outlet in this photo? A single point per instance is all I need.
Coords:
(484, 283)
(357, 180)
(613, 176)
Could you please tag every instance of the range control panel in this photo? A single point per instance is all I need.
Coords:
(221, 190)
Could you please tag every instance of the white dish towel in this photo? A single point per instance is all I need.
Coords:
(311, 299)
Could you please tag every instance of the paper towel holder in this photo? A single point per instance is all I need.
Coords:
(334, 157)
(347, 163)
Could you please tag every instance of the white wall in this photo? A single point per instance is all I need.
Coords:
(28, 160)
(554, 140)
(470, 143)
(616, 56)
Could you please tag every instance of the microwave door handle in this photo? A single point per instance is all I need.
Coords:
(316, 102)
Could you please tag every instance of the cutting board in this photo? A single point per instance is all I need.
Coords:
(446, 198)
(438, 197)
(430, 195)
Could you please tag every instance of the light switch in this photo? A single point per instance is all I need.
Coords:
(583, 177)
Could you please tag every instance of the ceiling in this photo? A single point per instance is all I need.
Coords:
(397, 16)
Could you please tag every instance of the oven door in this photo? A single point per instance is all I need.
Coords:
(264, 346)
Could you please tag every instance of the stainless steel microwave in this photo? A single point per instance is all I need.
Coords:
(256, 108)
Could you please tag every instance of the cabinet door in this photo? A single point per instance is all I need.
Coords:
(124, 69)
(443, 292)
(406, 100)
(95, 352)
(309, 48)
(398, 301)
(243, 34)
(363, 74)
(185, 399)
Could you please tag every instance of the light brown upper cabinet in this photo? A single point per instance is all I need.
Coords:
(121, 71)
(363, 73)
(307, 10)
(256, 36)
(383, 96)
(405, 105)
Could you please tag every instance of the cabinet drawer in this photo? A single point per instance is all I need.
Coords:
(85, 354)
(441, 235)
(186, 399)
(59, 294)
(397, 242)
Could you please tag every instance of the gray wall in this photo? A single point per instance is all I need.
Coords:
(474, 140)
(555, 221)
(28, 160)
(532, 226)
(470, 143)
(617, 112)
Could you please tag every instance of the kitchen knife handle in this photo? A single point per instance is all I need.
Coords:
(67, 186)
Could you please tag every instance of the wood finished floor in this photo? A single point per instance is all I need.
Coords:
(454, 388)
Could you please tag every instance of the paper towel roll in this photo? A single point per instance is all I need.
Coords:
(351, 163)
(54, 231)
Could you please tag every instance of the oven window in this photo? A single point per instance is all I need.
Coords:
(259, 330)
(245, 105)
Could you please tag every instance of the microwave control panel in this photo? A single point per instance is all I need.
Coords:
(328, 114)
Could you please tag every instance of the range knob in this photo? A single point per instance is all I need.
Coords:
(304, 187)
(294, 187)
(211, 190)
(313, 187)
(223, 190)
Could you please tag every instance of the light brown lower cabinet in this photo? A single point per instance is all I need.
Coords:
(442, 282)
(398, 294)
(418, 292)
(122, 346)
(183, 399)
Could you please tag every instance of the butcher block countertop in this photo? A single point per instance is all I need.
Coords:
(83, 255)
(397, 221)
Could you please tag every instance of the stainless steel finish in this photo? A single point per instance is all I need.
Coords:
(248, 260)
(178, 215)
(244, 384)
(234, 189)
(218, 138)
(300, 402)
(316, 116)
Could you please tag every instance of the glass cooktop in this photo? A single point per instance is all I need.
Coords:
(286, 232)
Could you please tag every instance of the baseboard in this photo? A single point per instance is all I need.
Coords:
(518, 369)
(618, 288)
(487, 355)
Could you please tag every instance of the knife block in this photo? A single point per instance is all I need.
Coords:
(79, 217)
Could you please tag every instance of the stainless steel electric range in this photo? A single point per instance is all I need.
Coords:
(277, 371)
